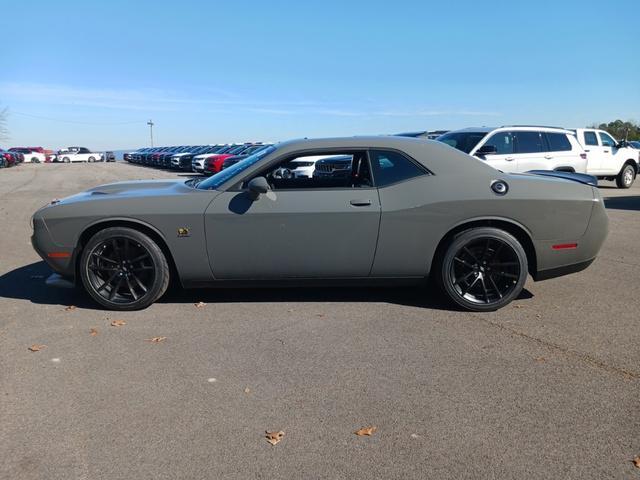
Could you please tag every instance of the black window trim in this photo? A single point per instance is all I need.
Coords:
(239, 186)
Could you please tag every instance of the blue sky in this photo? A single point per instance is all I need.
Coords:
(93, 73)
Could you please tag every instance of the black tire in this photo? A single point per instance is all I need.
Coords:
(626, 176)
(128, 261)
(66, 160)
(91, 160)
(482, 269)
(35, 160)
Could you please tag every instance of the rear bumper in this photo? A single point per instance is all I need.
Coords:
(561, 271)
(556, 262)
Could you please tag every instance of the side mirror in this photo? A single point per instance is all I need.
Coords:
(258, 186)
(486, 150)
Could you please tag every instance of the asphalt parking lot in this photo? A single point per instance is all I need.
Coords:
(546, 388)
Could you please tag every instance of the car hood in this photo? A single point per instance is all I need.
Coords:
(130, 190)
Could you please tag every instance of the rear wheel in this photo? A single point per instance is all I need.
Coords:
(124, 269)
(66, 160)
(483, 269)
(626, 176)
(92, 159)
(35, 160)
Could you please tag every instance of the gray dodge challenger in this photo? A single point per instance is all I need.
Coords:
(379, 209)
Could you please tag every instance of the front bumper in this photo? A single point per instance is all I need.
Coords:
(61, 259)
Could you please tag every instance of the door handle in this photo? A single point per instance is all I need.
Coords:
(548, 157)
(360, 203)
(606, 151)
(509, 159)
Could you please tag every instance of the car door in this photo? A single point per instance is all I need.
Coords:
(594, 150)
(531, 150)
(610, 162)
(504, 159)
(291, 232)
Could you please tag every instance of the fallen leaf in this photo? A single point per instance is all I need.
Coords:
(636, 461)
(36, 348)
(541, 359)
(368, 431)
(247, 390)
(93, 332)
(156, 339)
(118, 323)
(69, 308)
(274, 437)
(200, 304)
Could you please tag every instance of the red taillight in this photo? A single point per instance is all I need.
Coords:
(583, 156)
(565, 246)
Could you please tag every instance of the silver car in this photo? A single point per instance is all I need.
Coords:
(409, 209)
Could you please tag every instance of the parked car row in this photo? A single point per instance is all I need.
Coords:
(523, 148)
(205, 159)
(510, 148)
(10, 158)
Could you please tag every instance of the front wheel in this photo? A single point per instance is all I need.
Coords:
(483, 269)
(66, 160)
(123, 269)
(626, 177)
(91, 159)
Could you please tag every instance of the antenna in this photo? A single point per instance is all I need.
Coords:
(150, 123)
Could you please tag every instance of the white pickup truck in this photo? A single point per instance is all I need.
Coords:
(608, 159)
(78, 154)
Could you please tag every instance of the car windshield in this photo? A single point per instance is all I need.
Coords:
(464, 141)
(222, 176)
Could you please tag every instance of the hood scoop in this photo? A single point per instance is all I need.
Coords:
(123, 187)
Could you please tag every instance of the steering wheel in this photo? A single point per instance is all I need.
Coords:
(282, 173)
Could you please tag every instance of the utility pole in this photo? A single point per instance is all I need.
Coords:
(150, 123)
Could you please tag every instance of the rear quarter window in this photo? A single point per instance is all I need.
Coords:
(392, 167)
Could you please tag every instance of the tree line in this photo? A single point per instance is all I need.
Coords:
(619, 129)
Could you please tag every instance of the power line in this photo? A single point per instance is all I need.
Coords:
(59, 120)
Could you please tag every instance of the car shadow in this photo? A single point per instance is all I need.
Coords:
(28, 283)
(623, 203)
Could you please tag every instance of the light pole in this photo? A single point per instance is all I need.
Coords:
(150, 123)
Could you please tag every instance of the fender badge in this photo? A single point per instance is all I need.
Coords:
(183, 232)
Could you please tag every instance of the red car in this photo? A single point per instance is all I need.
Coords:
(9, 159)
(213, 164)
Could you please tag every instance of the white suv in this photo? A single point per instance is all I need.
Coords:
(518, 149)
(609, 159)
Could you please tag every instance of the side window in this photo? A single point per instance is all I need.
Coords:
(503, 141)
(315, 170)
(392, 167)
(590, 138)
(558, 142)
(606, 140)
(529, 142)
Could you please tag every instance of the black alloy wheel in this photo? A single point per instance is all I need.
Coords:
(124, 269)
(484, 269)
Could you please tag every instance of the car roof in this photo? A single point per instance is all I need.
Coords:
(514, 127)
